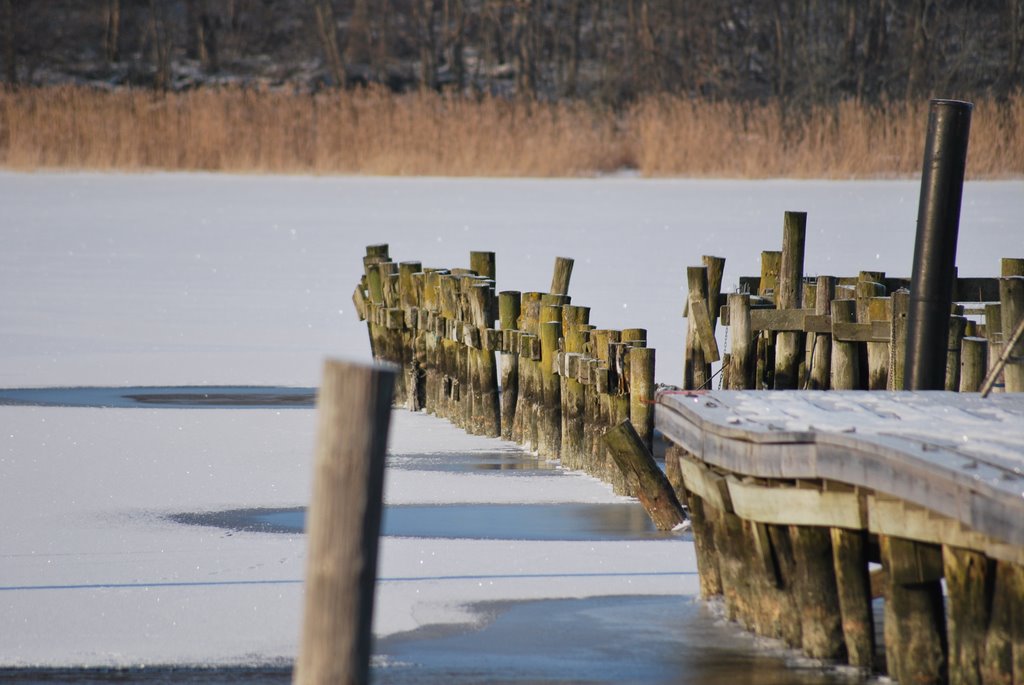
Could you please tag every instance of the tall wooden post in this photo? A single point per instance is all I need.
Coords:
(741, 360)
(560, 277)
(787, 343)
(508, 315)
(818, 378)
(354, 406)
(1011, 299)
(845, 363)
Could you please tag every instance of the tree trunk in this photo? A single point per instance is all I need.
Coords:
(326, 28)
(112, 34)
(10, 44)
(917, 76)
(161, 46)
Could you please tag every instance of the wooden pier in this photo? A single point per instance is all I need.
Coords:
(807, 505)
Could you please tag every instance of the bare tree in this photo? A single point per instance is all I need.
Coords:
(161, 42)
(1015, 27)
(112, 32)
(327, 31)
(10, 44)
(920, 28)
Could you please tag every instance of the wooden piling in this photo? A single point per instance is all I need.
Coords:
(1011, 266)
(973, 363)
(741, 359)
(549, 431)
(898, 339)
(1004, 642)
(508, 315)
(879, 309)
(845, 363)
(1011, 300)
(575, 324)
(873, 356)
(560, 277)
(853, 584)
(641, 394)
(968, 588)
(817, 594)
(702, 348)
(819, 376)
(637, 465)
(486, 405)
(524, 428)
(957, 325)
(915, 634)
(483, 264)
(343, 523)
(788, 349)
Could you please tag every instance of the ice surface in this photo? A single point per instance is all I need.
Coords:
(192, 279)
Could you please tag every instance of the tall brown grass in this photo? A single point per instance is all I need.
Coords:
(375, 132)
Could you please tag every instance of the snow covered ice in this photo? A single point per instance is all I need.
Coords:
(193, 279)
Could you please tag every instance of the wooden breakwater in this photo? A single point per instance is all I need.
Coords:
(788, 331)
(563, 381)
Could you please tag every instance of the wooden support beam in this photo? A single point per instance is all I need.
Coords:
(969, 577)
(817, 595)
(853, 585)
(915, 632)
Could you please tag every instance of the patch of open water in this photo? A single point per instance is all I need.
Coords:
(621, 521)
(179, 397)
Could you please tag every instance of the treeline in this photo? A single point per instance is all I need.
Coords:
(609, 51)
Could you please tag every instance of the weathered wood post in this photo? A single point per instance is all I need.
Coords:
(408, 300)
(938, 222)
(969, 588)
(524, 427)
(741, 359)
(1011, 300)
(818, 377)
(845, 362)
(508, 315)
(791, 271)
(354, 407)
(703, 348)
(898, 339)
(771, 264)
(915, 620)
(957, 325)
(853, 584)
(649, 482)
(1004, 656)
(486, 407)
(641, 394)
(973, 363)
(549, 416)
(817, 595)
(574, 321)
(560, 277)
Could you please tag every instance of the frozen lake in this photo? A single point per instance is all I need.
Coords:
(204, 281)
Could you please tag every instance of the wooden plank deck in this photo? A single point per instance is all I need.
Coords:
(933, 466)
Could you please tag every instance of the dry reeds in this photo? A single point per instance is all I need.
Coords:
(376, 132)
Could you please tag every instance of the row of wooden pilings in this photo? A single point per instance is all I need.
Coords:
(950, 614)
(563, 381)
(787, 331)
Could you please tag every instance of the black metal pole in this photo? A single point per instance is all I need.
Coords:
(938, 221)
